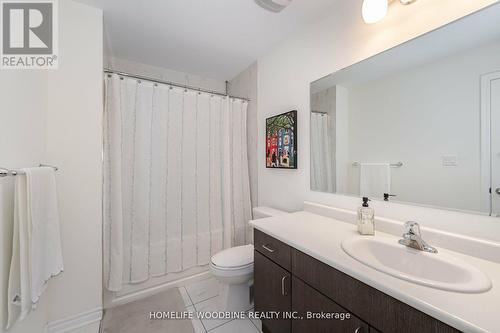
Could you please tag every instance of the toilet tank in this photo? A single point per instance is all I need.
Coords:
(263, 212)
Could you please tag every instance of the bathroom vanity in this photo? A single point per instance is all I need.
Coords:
(300, 267)
(415, 129)
(287, 279)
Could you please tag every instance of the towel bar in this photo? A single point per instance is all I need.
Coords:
(393, 165)
(4, 172)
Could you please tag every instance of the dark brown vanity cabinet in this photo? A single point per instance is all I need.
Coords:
(287, 280)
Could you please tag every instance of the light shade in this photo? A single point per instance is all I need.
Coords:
(374, 10)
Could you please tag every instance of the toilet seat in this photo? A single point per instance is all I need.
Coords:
(231, 273)
(234, 258)
(231, 268)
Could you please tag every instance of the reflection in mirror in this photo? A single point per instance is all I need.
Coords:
(419, 123)
(323, 141)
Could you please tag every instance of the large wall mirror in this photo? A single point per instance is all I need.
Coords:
(419, 123)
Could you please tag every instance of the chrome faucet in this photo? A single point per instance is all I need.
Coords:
(413, 238)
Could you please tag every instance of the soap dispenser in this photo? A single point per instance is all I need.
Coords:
(366, 218)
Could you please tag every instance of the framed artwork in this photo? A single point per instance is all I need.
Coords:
(281, 141)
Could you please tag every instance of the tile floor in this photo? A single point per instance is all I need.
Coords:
(134, 317)
(202, 296)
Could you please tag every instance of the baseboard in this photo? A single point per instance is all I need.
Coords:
(78, 321)
(133, 296)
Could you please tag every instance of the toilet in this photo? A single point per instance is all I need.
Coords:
(233, 269)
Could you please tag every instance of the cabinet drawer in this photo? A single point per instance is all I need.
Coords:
(272, 248)
(379, 310)
(305, 299)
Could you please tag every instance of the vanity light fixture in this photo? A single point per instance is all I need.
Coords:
(374, 11)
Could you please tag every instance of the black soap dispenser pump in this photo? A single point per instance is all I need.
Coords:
(366, 218)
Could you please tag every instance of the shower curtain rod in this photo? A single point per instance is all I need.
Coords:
(168, 83)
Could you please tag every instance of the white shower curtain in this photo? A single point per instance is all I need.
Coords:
(322, 154)
(176, 184)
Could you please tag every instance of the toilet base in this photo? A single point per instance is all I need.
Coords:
(235, 297)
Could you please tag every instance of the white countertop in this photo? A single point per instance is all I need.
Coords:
(321, 237)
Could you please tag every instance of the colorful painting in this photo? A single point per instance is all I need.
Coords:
(281, 141)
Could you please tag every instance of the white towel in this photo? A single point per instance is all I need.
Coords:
(19, 281)
(36, 246)
(45, 241)
(374, 179)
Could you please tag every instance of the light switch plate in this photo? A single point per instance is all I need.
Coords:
(450, 160)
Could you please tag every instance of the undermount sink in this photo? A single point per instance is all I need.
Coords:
(437, 270)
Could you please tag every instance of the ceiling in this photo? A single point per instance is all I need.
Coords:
(213, 38)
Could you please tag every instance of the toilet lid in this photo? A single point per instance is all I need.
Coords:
(234, 257)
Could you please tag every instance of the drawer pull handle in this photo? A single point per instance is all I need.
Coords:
(283, 289)
(359, 330)
(267, 248)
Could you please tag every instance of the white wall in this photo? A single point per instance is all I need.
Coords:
(55, 117)
(23, 104)
(325, 47)
(74, 144)
(419, 115)
(245, 85)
